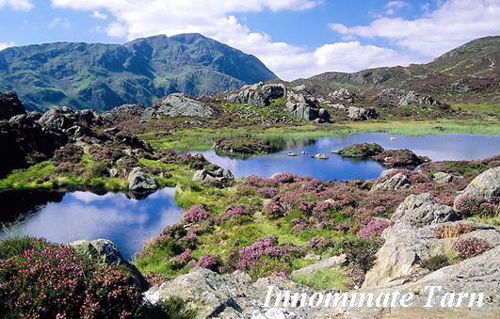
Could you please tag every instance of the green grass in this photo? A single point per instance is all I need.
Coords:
(203, 138)
(331, 278)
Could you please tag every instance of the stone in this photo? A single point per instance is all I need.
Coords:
(486, 185)
(422, 210)
(396, 182)
(258, 94)
(321, 156)
(140, 183)
(474, 275)
(105, 252)
(10, 105)
(343, 95)
(227, 296)
(442, 177)
(334, 261)
(413, 97)
(220, 177)
(178, 105)
(360, 114)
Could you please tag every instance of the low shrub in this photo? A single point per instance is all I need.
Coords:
(451, 231)
(470, 247)
(197, 213)
(374, 228)
(43, 280)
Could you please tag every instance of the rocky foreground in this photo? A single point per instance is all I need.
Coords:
(412, 257)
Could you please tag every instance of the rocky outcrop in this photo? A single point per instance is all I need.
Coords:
(442, 177)
(396, 182)
(400, 158)
(305, 107)
(219, 177)
(258, 94)
(360, 114)
(486, 185)
(342, 96)
(178, 105)
(231, 296)
(139, 183)
(404, 98)
(474, 275)
(413, 97)
(399, 260)
(63, 118)
(10, 105)
(422, 210)
(105, 252)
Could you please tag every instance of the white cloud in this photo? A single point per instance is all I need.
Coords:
(450, 25)
(60, 22)
(216, 19)
(392, 7)
(99, 15)
(17, 4)
(5, 45)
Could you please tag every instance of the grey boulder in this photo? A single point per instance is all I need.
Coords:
(396, 182)
(486, 185)
(140, 183)
(422, 210)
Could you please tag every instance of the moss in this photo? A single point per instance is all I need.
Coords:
(363, 150)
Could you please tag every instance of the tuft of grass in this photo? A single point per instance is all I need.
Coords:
(331, 278)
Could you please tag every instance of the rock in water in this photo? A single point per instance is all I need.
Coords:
(105, 252)
(321, 156)
(10, 105)
(363, 150)
(141, 184)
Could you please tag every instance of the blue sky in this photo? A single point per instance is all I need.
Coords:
(295, 38)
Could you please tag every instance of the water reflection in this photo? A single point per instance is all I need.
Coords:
(83, 215)
(437, 147)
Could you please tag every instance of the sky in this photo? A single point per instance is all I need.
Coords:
(294, 38)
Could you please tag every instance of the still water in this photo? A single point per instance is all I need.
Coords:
(129, 223)
(437, 147)
(83, 215)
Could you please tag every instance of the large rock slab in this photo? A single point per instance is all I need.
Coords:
(226, 296)
(474, 275)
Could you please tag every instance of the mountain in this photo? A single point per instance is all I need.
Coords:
(102, 76)
(471, 69)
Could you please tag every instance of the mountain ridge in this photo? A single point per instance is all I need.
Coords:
(102, 76)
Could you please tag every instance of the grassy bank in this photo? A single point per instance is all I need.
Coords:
(203, 138)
